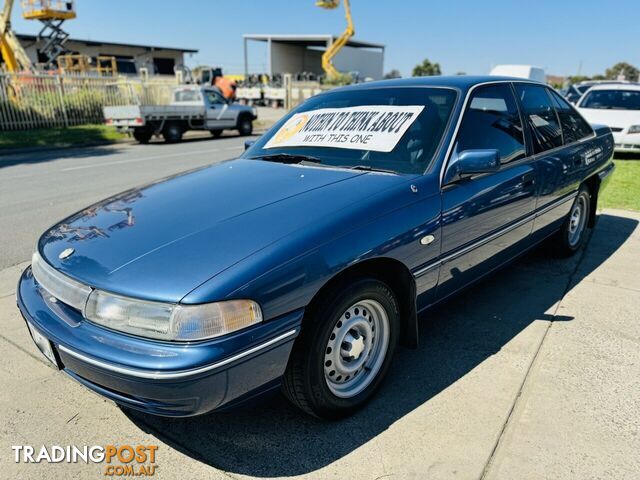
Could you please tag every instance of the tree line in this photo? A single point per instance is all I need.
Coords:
(620, 71)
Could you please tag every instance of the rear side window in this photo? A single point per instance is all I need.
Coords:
(574, 127)
(190, 95)
(492, 121)
(541, 117)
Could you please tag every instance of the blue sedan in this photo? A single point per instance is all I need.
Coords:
(303, 264)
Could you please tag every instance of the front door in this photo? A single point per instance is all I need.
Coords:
(219, 115)
(486, 218)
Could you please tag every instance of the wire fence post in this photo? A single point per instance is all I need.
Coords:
(62, 102)
(287, 89)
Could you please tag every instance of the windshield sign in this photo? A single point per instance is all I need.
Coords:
(376, 128)
(381, 129)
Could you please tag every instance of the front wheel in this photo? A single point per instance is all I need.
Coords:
(574, 229)
(344, 350)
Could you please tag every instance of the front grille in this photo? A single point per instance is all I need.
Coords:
(60, 286)
(616, 129)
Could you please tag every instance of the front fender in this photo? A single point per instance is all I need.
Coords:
(281, 280)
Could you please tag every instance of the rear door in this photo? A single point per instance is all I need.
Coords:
(486, 218)
(558, 135)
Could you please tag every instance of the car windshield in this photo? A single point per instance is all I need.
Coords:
(582, 88)
(612, 100)
(388, 129)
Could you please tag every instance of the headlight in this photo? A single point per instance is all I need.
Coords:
(254, 110)
(634, 129)
(165, 321)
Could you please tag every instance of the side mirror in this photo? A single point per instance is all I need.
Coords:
(473, 162)
(248, 144)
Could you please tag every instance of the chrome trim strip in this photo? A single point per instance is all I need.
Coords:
(473, 246)
(176, 374)
(493, 236)
(556, 203)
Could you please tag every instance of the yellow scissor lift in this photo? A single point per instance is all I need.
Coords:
(52, 14)
(48, 9)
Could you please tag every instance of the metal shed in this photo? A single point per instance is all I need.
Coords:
(303, 53)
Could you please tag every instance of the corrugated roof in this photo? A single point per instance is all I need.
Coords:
(95, 43)
(308, 40)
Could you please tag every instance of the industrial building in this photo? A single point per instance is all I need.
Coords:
(303, 53)
(129, 57)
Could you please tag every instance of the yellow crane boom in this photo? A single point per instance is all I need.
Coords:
(13, 54)
(334, 48)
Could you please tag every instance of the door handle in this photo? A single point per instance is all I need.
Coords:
(528, 179)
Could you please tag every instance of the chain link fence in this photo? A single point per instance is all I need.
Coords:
(31, 101)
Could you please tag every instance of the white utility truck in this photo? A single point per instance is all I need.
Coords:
(192, 107)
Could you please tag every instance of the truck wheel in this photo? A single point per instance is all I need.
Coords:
(574, 229)
(172, 133)
(245, 126)
(216, 133)
(344, 350)
(142, 135)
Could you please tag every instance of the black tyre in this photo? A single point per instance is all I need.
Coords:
(573, 233)
(216, 133)
(344, 349)
(245, 126)
(142, 135)
(172, 133)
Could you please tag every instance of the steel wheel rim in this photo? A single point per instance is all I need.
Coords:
(577, 220)
(356, 348)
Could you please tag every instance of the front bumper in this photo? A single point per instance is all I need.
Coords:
(162, 378)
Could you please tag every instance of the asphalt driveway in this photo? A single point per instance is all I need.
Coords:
(533, 373)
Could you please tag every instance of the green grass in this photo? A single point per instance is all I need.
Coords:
(623, 190)
(60, 137)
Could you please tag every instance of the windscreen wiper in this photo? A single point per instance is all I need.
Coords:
(368, 168)
(287, 158)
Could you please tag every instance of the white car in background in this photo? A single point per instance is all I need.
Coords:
(618, 107)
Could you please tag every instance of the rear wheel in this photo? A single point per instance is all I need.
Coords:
(142, 135)
(245, 126)
(216, 133)
(344, 350)
(172, 133)
(574, 230)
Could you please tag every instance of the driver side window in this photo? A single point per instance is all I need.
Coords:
(492, 121)
(215, 98)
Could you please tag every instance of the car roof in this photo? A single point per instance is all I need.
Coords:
(616, 86)
(463, 82)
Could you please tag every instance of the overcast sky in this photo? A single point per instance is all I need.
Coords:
(563, 36)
